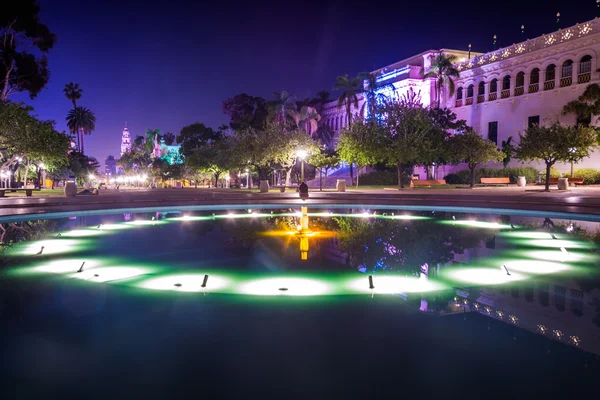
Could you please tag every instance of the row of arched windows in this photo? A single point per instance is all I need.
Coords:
(584, 75)
(337, 123)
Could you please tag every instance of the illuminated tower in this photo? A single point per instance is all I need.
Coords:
(125, 140)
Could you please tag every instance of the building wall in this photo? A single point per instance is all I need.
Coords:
(543, 100)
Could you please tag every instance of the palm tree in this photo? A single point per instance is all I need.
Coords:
(72, 92)
(309, 120)
(442, 69)
(81, 120)
(373, 93)
(283, 108)
(351, 88)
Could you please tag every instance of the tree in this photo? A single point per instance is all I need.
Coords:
(374, 94)
(556, 143)
(351, 88)
(245, 111)
(308, 119)
(283, 109)
(586, 106)
(82, 165)
(21, 30)
(24, 137)
(214, 158)
(324, 160)
(411, 136)
(194, 136)
(508, 149)
(443, 71)
(152, 138)
(359, 144)
(169, 138)
(472, 149)
(72, 92)
(81, 121)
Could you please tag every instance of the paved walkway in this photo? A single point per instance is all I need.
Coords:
(581, 200)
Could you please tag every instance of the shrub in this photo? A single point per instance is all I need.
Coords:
(462, 177)
(590, 176)
(385, 177)
(554, 173)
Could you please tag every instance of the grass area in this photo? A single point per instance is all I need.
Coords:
(36, 193)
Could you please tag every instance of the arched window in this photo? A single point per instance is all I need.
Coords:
(585, 69)
(534, 80)
(470, 92)
(459, 97)
(493, 90)
(505, 87)
(481, 92)
(520, 84)
(566, 73)
(550, 77)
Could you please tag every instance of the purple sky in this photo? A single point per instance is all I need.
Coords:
(166, 65)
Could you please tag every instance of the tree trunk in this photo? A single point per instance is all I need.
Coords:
(6, 82)
(400, 184)
(82, 150)
(357, 174)
(326, 170)
(548, 166)
(320, 179)
(288, 177)
(472, 175)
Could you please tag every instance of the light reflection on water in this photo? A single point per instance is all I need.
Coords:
(524, 271)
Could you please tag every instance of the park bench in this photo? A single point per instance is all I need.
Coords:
(495, 181)
(28, 192)
(428, 183)
(572, 181)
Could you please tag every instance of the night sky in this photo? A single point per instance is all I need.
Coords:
(166, 65)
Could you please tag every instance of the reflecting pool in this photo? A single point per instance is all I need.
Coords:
(298, 299)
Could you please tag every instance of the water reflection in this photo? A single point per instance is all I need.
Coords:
(538, 274)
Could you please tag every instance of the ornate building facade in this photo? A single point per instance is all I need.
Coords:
(125, 140)
(502, 92)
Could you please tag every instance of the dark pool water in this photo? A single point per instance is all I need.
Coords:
(268, 303)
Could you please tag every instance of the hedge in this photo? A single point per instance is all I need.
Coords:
(463, 177)
(381, 178)
(590, 176)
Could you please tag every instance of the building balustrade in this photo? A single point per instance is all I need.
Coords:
(584, 78)
(493, 96)
(549, 85)
(505, 94)
(519, 91)
(553, 39)
(567, 81)
(469, 101)
(480, 98)
(534, 88)
(459, 103)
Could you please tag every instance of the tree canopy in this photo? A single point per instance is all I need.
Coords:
(21, 31)
(245, 111)
(586, 106)
(556, 143)
(194, 136)
(471, 148)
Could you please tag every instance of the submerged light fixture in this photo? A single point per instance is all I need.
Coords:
(204, 281)
(371, 286)
(81, 268)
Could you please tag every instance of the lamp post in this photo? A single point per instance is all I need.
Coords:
(301, 155)
(469, 51)
(248, 178)
(558, 21)
(495, 39)
(42, 182)
(572, 150)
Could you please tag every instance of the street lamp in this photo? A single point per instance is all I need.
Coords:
(301, 155)
(572, 150)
